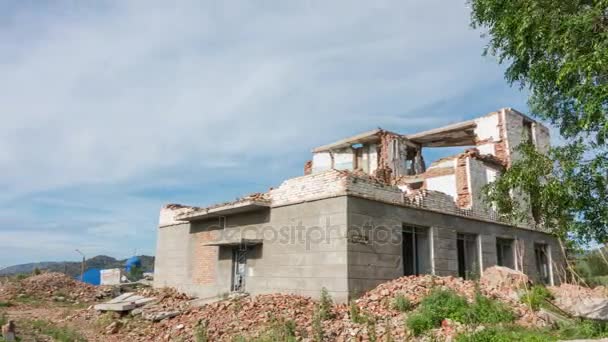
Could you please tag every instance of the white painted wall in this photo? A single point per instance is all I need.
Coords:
(343, 159)
(487, 127)
(445, 184)
(321, 161)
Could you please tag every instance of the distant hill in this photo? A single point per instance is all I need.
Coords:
(72, 268)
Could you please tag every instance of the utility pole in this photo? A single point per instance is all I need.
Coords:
(82, 265)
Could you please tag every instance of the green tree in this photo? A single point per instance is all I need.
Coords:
(136, 273)
(558, 50)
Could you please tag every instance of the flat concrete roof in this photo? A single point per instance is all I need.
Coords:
(346, 142)
(223, 210)
(458, 134)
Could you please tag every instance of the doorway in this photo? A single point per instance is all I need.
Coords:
(415, 250)
(239, 269)
(468, 260)
(505, 253)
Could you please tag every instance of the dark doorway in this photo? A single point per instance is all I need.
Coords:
(542, 262)
(466, 249)
(505, 255)
(415, 250)
(239, 268)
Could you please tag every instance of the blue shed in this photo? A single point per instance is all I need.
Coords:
(91, 276)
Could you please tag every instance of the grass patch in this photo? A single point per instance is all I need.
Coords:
(442, 304)
(506, 334)
(536, 296)
(58, 333)
(583, 329)
(401, 303)
(6, 304)
(280, 330)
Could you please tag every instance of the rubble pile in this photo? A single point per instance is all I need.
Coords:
(251, 316)
(53, 285)
(415, 288)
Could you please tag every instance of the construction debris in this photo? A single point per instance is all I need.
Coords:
(53, 285)
(125, 302)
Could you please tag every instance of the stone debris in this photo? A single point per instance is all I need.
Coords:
(504, 280)
(53, 285)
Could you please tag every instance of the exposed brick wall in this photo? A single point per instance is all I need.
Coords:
(462, 183)
(205, 259)
(501, 150)
(308, 167)
(308, 188)
(438, 172)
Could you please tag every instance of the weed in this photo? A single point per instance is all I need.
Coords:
(355, 313)
(200, 332)
(5, 304)
(317, 327)
(325, 305)
(388, 330)
(280, 330)
(401, 303)
(371, 329)
(3, 319)
(536, 296)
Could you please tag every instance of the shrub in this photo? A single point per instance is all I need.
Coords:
(486, 310)
(401, 303)
(536, 296)
(505, 334)
(442, 304)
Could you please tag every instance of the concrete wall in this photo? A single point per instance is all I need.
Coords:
(377, 260)
(304, 249)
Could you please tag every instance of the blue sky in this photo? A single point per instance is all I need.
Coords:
(111, 109)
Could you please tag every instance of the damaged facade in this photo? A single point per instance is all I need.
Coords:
(368, 209)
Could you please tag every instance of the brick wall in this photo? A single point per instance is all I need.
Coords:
(205, 259)
(462, 183)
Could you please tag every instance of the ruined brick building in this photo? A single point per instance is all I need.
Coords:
(367, 209)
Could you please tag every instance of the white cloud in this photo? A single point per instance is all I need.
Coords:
(116, 94)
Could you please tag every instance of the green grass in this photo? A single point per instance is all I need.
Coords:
(58, 333)
(506, 334)
(5, 304)
(401, 303)
(442, 304)
(536, 296)
(583, 329)
(579, 329)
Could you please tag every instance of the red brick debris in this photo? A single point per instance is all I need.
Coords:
(251, 316)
